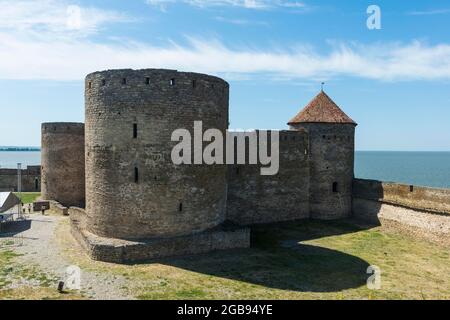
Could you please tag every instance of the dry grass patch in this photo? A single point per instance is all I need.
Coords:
(301, 260)
(19, 281)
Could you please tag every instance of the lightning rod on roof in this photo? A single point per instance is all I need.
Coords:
(322, 84)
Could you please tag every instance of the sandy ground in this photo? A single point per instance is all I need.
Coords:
(35, 240)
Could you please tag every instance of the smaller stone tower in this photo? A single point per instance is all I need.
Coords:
(62, 171)
(332, 147)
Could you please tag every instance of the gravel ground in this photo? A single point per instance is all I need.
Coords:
(35, 240)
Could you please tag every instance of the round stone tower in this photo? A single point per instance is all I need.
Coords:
(62, 171)
(332, 148)
(133, 189)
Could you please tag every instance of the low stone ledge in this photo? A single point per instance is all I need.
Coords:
(112, 250)
(420, 224)
(58, 208)
(52, 206)
(421, 211)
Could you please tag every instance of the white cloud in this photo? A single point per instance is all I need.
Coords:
(49, 40)
(248, 4)
(60, 18)
(26, 57)
(241, 22)
(429, 12)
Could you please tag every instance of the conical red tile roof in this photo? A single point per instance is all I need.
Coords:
(321, 110)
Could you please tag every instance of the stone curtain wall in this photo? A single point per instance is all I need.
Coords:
(63, 163)
(31, 179)
(254, 198)
(133, 188)
(421, 211)
(421, 198)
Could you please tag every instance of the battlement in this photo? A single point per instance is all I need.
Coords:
(153, 82)
(32, 170)
(63, 127)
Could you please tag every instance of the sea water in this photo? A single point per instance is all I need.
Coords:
(9, 159)
(418, 168)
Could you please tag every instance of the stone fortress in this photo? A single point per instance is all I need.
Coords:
(139, 205)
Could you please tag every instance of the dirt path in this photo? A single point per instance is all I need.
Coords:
(36, 241)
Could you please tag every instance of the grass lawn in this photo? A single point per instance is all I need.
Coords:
(34, 284)
(28, 197)
(301, 260)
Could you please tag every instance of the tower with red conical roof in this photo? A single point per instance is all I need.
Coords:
(332, 148)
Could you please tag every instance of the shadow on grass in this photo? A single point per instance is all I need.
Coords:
(277, 259)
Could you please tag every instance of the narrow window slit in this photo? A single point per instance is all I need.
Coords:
(335, 187)
(135, 130)
(136, 175)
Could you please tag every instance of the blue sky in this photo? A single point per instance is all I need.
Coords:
(394, 82)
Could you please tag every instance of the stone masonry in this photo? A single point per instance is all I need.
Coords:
(133, 190)
(421, 211)
(62, 164)
(31, 179)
